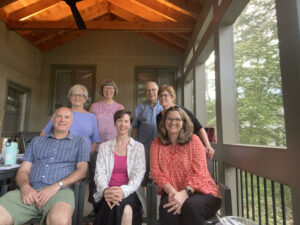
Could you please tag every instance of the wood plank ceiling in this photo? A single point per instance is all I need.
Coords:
(50, 23)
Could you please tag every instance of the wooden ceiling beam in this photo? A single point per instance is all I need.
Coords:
(167, 11)
(139, 10)
(170, 37)
(101, 25)
(3, 16)
(124, 14)
(32, 9)
(191, 6)
(163, 42)
(185, 35)
(59, 40)
(4, 3)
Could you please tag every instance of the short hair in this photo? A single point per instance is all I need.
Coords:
(185, 133)
(167, 88)
(120, 113)
(78, 87)
(109, 82)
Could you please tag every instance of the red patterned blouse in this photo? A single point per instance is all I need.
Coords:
(181, 166)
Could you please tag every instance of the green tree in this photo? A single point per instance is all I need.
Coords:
(257, 70)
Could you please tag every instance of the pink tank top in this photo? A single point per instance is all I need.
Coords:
(119, 175)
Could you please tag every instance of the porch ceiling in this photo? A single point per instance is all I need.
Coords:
(50, 23)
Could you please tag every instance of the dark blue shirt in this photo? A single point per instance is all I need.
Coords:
(54, 159)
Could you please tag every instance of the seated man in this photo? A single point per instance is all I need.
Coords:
(52, 163)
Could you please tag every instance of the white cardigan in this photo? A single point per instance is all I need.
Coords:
(136, 167)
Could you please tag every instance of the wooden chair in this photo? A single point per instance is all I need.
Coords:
(25, 139)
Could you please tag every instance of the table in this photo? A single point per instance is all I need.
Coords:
(4, 176)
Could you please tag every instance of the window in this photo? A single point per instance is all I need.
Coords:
(257, 69)
(210, 91)
(159, 75)
(16, 114)
(63, 77)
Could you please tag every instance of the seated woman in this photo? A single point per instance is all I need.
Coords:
(167, 98)
(178, 166)
(120, 169)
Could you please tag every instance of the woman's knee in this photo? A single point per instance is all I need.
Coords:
(127, 211)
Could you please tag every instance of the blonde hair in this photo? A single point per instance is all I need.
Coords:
(169, 89)
(186, 131)
(78, 87)
(109, 82)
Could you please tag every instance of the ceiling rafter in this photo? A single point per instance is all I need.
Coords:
(163, 42)
(169, 12)
(184, 35)
(139, 10)
(4, 3)
(101, 25)
(126, 15)
(60, 40)
(32, 9)
(173, 39)
(3, 16)
(192, 7)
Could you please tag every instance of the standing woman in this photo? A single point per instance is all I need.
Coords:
(104, 111)
(167, 98)
(120, 169)
(178, 166)
(84, 123)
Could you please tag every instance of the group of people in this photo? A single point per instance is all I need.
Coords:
(166, 140)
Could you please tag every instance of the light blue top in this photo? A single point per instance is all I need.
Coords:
(54, 159)
(145, 121)
(84, 124)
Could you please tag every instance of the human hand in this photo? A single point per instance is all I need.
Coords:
(113, 196)
(46, 193)
(176, 201)
(29, 195)
(210, 152)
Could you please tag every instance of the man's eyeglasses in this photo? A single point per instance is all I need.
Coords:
(176, 120)
(77, 95)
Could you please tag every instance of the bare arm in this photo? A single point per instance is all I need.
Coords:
(29, 195)
(46, 193)
(94, 145)
(134, 131)
(210, 151)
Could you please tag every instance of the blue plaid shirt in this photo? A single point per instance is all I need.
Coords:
(54, 159)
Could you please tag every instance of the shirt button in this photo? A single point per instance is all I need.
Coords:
(51, 157)
(46, 165)
(43, 176)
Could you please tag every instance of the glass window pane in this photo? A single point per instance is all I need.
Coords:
(257, 68)
(210, 91)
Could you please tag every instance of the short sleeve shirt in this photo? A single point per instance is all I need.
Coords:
(145, 121)
(54, 159)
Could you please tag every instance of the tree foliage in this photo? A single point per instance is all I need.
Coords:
(257, 72)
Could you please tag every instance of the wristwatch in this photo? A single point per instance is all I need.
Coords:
(188, 191)
(61, 184)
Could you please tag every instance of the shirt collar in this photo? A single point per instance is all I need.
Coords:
(70, 136)
(114, 141)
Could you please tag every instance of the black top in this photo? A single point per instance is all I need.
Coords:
(195, 121)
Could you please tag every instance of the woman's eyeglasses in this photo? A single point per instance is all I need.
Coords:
(77, 95)
(171, 120)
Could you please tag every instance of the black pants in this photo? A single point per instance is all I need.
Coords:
(92, 185)
(107, 216)
(194, 211)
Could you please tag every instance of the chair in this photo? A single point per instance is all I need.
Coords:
(25, 139)
(150, 219)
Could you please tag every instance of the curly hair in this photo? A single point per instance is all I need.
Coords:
(185, 133)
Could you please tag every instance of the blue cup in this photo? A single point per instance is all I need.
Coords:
(11, 152)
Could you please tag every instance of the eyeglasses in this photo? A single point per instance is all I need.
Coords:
(77, 95)
(176, 120)
(164, 95)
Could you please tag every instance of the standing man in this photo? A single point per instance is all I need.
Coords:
(52, 163)
(144, 127)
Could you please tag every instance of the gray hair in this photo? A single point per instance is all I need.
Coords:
(78, 87)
